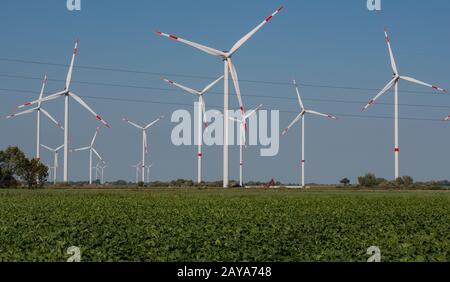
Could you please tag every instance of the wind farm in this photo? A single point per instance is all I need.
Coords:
(183, 173)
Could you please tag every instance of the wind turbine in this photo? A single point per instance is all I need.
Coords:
(225, 56)
(242, 140)
(102, 171)
(301, 115)
(38, 111)
(144, 141)
(148, 172)
(91, 150)
(66, 93)
(97, 170)
(201, 112)
(136, 167)
(55, 160)
(394, 83)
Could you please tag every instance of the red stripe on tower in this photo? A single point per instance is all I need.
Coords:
(396, 150)
(200, 155)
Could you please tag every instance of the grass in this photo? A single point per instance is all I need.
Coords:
(223, 225)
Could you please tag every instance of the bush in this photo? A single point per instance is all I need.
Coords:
(368, 180)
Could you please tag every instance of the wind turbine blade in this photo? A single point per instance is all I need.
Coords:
(320, 114)
(48, 98)
(300, 102)
(44, 82)
(60, 147)
(69, 73)
(95, 136)
(97, 154)
(145, 142)
(244, 39)
(236, 84)
(132, 123)
(153, 122)
(384, 90)
(47, 114)
(201, 47)
(48, 148)
(185, 88)
(82, 149)
(243, 134)
(249, 114)
(203, 109)
(209, 86)
(413, 80)
(22, 113)
(297, 118)
(82, 103)
(391, 54)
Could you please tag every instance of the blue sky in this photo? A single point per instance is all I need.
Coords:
(322, 42)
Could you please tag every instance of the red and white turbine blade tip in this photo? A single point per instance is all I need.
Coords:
(447, 118)
(24, 105)
(102, 121)
(440, 89)
(285, 131)
(167, 35)
(274, 13)
(368, 105)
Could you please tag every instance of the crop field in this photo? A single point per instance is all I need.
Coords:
(223, 225)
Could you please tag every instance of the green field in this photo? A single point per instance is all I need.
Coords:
(223, 225)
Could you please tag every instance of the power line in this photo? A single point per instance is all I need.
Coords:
(97, 68)
(220, 93)
(219, 106)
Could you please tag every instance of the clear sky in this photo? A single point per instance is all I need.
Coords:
(319, 43)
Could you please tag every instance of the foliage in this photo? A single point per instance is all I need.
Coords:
(370, 180)
(33, 173)
(223, 225)
(345, 181)
(15, 167)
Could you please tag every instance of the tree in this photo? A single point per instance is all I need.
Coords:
(33, 173)
(10, 161)
(15, 167)
(345, 181)
(407, 180)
